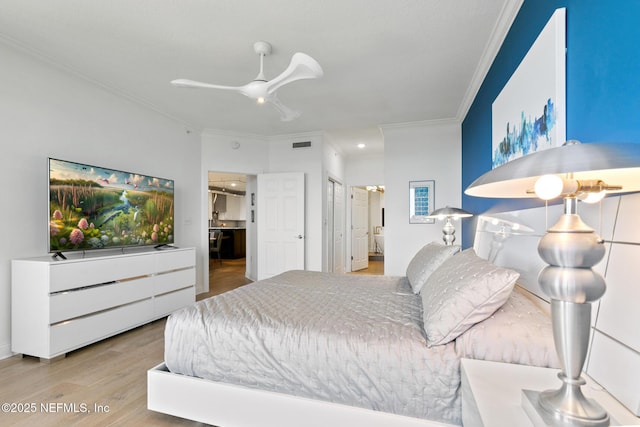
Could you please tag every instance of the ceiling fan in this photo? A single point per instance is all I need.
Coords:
(302, 66)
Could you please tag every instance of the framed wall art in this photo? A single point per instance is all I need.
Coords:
(529, 114)
(421, 196)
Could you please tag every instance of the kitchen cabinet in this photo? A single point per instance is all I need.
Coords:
(233, 243)
(235, 208)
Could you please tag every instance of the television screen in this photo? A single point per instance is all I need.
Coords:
(92, 207)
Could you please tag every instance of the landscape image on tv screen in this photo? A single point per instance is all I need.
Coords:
(91, 207)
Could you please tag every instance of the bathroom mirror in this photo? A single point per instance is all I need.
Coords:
(421, 196)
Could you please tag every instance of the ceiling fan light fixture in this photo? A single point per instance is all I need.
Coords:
(301, 67)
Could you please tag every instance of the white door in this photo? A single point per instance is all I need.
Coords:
(280, 223)
(335, 227)
(330, 228)
(359, 229)
(338, 227)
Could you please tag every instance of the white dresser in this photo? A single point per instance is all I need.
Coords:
(61, 305)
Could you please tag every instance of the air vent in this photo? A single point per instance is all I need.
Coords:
(304, 144)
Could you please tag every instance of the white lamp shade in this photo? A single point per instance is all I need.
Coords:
(617, 164)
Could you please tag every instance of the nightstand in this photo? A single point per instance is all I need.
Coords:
(492, 394)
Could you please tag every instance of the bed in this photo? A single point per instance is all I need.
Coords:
(311, 348)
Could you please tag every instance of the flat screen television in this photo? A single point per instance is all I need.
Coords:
(92, 207)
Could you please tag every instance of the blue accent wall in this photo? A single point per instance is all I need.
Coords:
(602, 83)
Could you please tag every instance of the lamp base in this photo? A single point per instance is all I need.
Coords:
(448, 232)
(540, 417)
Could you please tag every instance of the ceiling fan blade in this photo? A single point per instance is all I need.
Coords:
(302, 66)
(194, 84)
(286, 113)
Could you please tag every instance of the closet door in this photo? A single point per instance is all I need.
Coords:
(335, 227)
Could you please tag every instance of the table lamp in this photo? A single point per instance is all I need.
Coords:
(575, 172)
(501, 229)
(449, 214)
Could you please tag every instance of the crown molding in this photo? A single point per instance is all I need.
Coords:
(423, 123)
(499, 33)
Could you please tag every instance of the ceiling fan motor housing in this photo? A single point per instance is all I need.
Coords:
(262, 48)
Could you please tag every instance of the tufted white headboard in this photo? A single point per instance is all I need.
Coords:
(614, 355)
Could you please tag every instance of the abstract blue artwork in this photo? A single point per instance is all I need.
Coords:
(421, 195)
(531, 134)
(422, 201)
(529, 113)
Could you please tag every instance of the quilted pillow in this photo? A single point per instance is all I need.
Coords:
(426, 261)
(518, 332)
(463, 291)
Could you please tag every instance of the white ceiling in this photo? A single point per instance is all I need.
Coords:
(231, 182)
(384, 61)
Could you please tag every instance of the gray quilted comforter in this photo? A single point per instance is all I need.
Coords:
(355, 340)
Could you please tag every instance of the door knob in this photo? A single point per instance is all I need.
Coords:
(299, 236)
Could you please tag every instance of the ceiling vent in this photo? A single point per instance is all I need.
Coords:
(304, 144)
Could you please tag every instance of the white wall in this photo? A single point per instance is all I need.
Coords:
(365, 170)
(333, 161)
(417, 152)
(46, 112)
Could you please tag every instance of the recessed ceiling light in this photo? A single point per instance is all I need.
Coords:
(361, 145)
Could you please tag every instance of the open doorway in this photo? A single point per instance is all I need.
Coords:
(367, 229)
(229, 230)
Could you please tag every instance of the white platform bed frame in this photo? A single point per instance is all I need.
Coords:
(615, 341)
(227, 405)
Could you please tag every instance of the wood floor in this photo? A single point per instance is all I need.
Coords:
(225, 275)
(374, 268)
(103, 384)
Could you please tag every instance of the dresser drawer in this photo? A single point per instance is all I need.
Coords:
(88, 272)
(81, 331)
(79, 302)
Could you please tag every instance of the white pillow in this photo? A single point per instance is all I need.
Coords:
(426, 261)
(463, 291)
(518, 332)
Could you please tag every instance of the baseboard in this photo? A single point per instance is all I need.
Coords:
(5, 351)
